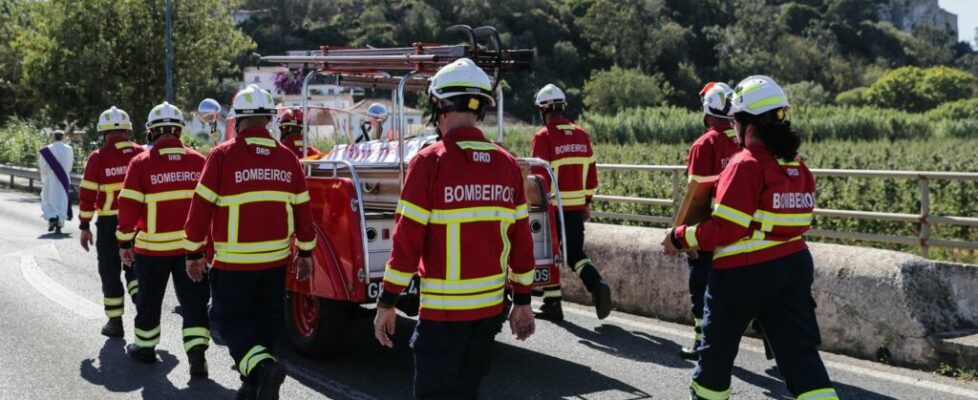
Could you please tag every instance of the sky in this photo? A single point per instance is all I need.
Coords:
(967, 11)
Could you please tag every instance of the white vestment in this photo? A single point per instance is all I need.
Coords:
(54, 200)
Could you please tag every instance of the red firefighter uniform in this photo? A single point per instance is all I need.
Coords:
(568, 150)
(155, 200)
(290, 125)
(294, 144)
(105, 171)
(711, 152)
(462, 212)
(251, 200)
(761, 216)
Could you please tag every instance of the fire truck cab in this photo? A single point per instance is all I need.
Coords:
(355, 188)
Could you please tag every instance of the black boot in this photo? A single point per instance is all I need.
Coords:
(198, 362)
(551, 310)
(146, 355)
(601, 296)
(268, 378)
(113, 328)
(247, 391)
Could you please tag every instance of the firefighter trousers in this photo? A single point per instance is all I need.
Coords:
(109, 267)
(779, 294)
(248, 310)
(577, 259)
(451, 358)
(699, 275)
(154, 272)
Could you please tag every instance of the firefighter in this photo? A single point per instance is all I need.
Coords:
(567, 148)
(761, 265)
(462, 227)
(105, 170)
(290, 124)
(250, 200)
(374, 125)
(155, 199)
(708, 155)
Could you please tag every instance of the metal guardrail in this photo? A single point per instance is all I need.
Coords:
(31, 174)
(924, 218)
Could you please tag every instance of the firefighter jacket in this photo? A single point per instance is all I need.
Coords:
(294, 144)
(155, 198)
(568, 150)
(104, 172)
(250, 200)
(462, 219)
(711, 152)
(763, 206)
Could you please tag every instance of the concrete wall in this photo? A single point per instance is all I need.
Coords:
(868, 299)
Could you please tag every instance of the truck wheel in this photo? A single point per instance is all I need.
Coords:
(317, 327)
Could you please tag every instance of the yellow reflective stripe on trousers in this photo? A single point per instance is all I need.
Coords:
(251, 359)
(206, 193)
(462, 286)
(453, 253)
(769, 220)
(251, 258)
(189, 344)
(691, 237)
(197, 331)
(87, 184)
(473, 214)
(132, 195)
(820, 394)
(397, 277)
(709, 394)
(413, 211)
(148, 338)
(464, 302)
(113, 301)
(475, 145)
(252, 247)
(732, 214)
(749, 245)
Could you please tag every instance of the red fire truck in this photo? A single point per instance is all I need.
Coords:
(355, 186)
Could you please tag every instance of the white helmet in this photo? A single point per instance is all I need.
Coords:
(757, 95)
(164, 114)
(716, 98)
(377, 110)
(253, 101)
(461, 77)
(114, 119)
(550, 95)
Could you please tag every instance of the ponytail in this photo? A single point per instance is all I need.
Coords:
(774, 131)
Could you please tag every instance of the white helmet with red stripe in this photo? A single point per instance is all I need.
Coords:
(716, 98)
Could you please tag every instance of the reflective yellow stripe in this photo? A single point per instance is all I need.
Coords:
(730, 133)
(789, 163)
(194, 343)
(504, 254)
(473, 214)
(113, 301)
(197, 331)
(122, 145)
(413, 211)
(572, 161)
(472, 145)
(253, 197)
(693, 178)
(173, 150)
(205, 192)
(589, 192)
(465, 302)
(107, 213)
(151, 217)
(820, 394)
(306, 246)
(251, 360)
(111, 187)
(125, 237)
(453, 239)
(251, 258)
(580, 264)
(731, 214)
(252, 247)
(301, 198)
(267, 142)
(171, 195)
(190, 245)
(709, 394)
(297, 143)
(87, 184)
(769, 220)
(86, 214)
(576, 201)
(397, 277)
(462, 286)
(132, 195)
(565, 127)
(148, 334)
(691, 237)
(158, 246)
(552, 291)
(114, 313)
(234, 213)
(525, 279)
(522, 211)
(162, 237)
(749, 245)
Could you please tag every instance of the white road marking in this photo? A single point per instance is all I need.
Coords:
(56, 292)
(886, 376)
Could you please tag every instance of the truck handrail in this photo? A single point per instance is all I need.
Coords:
(360, 208)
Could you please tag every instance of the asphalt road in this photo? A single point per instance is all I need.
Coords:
(50, 347)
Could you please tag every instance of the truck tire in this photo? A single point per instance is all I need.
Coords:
(317, 327)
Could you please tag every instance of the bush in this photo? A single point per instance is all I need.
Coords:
(20, 142)
(917, 90)
(617, 89)
(660, 124)
(806, 93)
(854, 97)
(955, 110)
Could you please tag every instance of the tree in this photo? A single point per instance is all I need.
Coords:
(18, 99)
(914, 89)
(806, 93)
(608, 92)
(83, 57)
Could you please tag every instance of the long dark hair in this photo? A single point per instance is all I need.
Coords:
(772, 129)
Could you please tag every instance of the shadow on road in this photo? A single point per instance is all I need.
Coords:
(118, 373)
(775, 389)
(55, 236)
(632, 345)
